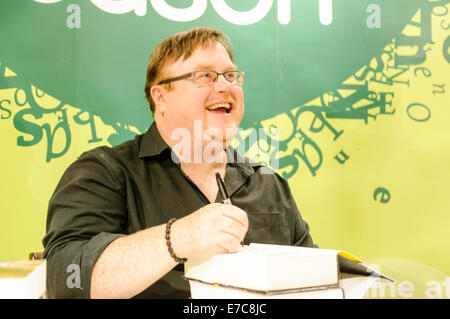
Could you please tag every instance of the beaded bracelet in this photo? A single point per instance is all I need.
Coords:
(169, 245)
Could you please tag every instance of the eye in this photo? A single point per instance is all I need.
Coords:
(204, 76)
(231, 76)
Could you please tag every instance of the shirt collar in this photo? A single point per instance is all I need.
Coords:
(153, 144)
(239, 169)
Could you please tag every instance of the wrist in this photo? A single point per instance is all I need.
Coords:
(169, 242)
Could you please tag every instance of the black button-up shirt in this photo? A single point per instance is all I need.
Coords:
(111, 192)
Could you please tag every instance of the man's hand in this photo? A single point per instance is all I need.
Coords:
(213, 229)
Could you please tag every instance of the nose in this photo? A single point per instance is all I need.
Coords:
(221, 84)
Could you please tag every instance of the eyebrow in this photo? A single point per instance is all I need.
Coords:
(210, 67)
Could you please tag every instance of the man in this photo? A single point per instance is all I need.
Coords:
(128, 216)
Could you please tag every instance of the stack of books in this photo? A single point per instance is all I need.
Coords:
(24, 279)
(278, 271)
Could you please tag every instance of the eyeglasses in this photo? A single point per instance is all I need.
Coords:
(210, 77)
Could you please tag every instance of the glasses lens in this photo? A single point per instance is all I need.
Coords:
(209, 77)
(205, 76)
(233, 77)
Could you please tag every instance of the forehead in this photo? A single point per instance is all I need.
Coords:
(212, 57)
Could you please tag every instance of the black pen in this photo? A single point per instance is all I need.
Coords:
(222, 189)
(223, 192)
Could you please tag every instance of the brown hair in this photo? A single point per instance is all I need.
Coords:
(180, 45)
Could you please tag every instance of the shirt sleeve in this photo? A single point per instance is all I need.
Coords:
(86, 213)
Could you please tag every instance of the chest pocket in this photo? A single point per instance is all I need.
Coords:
(268, 228)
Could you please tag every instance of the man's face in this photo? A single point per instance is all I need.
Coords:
(189, 101)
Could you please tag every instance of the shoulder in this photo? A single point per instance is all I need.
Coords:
(124, 153)
(104, 162)
(261, 174)
(269, 177)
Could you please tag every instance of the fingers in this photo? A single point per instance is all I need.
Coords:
(228, 246)
(236, 214)
(228, 242)
(234, 228)
(213, 229)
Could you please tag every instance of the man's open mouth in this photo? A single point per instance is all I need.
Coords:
(220, 108)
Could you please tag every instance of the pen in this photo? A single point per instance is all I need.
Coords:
(222, 190)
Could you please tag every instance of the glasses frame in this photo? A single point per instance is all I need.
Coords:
(192, 74)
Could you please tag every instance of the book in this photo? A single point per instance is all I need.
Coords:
(357, 286)
(202, 290)
(265, 269)
(24, 279)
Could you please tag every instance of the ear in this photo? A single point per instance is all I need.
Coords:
(158, 94)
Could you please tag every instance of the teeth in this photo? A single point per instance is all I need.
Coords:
(216, 106)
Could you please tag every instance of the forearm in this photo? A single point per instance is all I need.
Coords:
(131, 263)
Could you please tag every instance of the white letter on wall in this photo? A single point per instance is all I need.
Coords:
(195, 11)
(74, 19)
(242, 18)
(374, 20)
(284, 11)
(122, 6)
(326, 11)
(47, 1)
